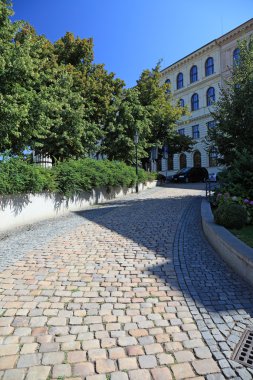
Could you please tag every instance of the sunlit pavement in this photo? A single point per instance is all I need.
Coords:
(127, 290)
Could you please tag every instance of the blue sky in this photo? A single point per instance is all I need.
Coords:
(132, 35)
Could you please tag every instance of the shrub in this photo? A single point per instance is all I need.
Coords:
(18, 176)
(230, 215)
(70, 177)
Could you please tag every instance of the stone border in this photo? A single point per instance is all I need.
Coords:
(24, 209)
(234, 252)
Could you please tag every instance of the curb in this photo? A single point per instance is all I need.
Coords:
(233, 251)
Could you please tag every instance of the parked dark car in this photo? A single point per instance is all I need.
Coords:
(190, 175)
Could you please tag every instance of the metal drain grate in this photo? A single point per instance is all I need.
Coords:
(243, 352)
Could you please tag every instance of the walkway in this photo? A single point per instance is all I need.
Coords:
(130, 290)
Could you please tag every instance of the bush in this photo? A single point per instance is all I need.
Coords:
(68, 178)
(238, 178)
(230, 215)
(18, 176)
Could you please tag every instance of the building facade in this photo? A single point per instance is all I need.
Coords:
(195, 82)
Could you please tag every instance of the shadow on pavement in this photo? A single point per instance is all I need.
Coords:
(170, 228)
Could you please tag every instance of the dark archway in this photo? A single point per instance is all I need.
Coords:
(182, 161)
(197, 159)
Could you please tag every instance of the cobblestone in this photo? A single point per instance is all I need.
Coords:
(130, 290)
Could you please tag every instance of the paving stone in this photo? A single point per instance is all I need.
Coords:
(182, 371)
(82, 369)
(127, 341)
(9, 349)
(38, 373)
(14, 374)
(184, 356)
(116, 353)
(96, 289)
(119, 376)
(95, 354)
(76, 356)
(161, 373)
(61, 370)
(105, 365)
(147, 361)
(154, 348)
(29, 360)
(202, 352)
(127, 363)
(205, 366)
(53, 358)
(138, 374)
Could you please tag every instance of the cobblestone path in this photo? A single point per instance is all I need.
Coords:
(127, 291)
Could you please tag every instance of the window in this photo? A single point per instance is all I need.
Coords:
(209, 66)
(197, 159)
(210, 96)
(168, 82)
(213, 157)
(194, 102)
(211, 124)
(181, 131)
(180, 81)
(181, 102)
(236, 56)
(193, 74)
(195, 131)
(170, 162)
(182, 161)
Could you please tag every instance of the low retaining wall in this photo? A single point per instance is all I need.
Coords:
(16, 211)
(234, 252)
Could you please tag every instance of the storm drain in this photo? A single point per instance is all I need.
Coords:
(243, 352)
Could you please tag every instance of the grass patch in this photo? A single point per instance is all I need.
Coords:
(245, 234)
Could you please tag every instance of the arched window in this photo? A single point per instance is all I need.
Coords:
(209, 66)
(197, 159)
(180, 80)
(193, 74)
(182, 161)
(168, 82)
(213, 156)
(210, 96)
(181, 102)
(194, 102)
(236, 56)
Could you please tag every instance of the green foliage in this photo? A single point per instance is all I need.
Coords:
(83, 175)
(129, 116)
(238, 178)
(234, 110)
(18, 176)
(230, 215)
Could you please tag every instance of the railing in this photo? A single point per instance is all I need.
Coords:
(211, 186)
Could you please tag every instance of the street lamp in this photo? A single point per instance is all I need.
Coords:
(136, 141)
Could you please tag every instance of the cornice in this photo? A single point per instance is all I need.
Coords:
(230, 36)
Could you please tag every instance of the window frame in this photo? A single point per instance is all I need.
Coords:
(194, 74)
(180, 81)
(181, 102)
(181, 131)
(209, 67)
(210, 98)
(195, 102)
(195, 133)
(236, 56)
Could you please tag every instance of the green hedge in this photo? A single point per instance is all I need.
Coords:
(70, 177)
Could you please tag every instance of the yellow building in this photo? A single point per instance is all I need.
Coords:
(196, 81)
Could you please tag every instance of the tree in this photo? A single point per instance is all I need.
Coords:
(128, 117)
(234, 110)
